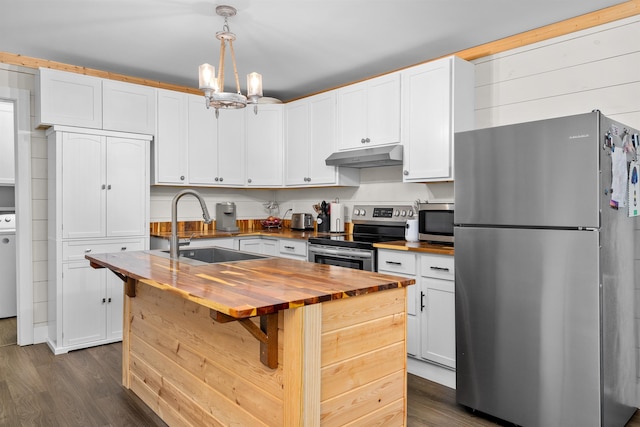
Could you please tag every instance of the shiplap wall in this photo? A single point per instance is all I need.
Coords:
(597, 68)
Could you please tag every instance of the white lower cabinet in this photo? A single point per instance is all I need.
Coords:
(286, 248)
(85, 304)
(293, 249)
(430, 311)
(92, 302)
(259, 245)
(438, 337)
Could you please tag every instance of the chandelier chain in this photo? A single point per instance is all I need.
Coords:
(235, 68)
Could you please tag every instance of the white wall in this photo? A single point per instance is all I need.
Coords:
(597, 68)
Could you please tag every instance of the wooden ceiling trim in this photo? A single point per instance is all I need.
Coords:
(582, 22)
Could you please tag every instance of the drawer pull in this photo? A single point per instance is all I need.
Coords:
(439, 268)
(395, 263)
(86, 251)
(124, 248)
(289, 247)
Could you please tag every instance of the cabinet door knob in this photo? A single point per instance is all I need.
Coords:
(249, 180)
(181, 177)
(362, 141)
(104, 300)
(405, 172)
(367, 140)
(104, 186)
(86, 251)
(216, 179)
(109, 300)
(109, 187)
(124, 248)
(221, 179)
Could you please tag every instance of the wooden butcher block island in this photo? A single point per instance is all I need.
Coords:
(262, 342)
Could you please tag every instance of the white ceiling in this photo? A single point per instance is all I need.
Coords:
(299, 46)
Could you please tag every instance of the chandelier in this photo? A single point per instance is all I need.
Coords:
(213, 87)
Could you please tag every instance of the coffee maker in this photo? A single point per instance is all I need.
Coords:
(226, 217)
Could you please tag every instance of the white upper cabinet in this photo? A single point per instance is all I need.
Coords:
(264, 146)
(128, 107)
(192, 147)
(203, 142)
(310, 137)
(437, 101)
(104, 186)
(369, 113)
(64, 98)
(297, 142)
(170, 150)
(68, 99)
(231, 148)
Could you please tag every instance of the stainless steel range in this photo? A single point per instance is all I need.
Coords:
(371, 224)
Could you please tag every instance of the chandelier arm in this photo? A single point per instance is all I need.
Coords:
(235, 69)
(221, 67)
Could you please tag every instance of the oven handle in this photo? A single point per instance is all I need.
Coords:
(338, 252)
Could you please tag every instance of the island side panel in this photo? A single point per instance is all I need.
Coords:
(363, 360)
(193, 371)
(301, 361)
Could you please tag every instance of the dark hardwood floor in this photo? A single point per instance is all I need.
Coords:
(83, 388)
(8, 331)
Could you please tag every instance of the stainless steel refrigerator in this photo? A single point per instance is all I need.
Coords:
(545, 320)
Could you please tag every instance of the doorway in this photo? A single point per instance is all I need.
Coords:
(20, 99)
(8, 283)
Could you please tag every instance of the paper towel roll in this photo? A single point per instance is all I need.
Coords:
(337, 218)
(411, 230)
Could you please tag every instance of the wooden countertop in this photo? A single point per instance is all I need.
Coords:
(280, 233)
(285, 233)
(248, 288)
(425, 247)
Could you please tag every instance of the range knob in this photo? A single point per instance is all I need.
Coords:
(363, 212)
(403, 213)
(356, 212)
(410, 214)
(396, 212)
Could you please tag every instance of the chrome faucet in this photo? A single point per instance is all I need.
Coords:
(173, 242)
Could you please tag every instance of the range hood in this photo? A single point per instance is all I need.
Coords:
(388, 155)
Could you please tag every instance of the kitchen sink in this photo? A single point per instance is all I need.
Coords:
(212, 255)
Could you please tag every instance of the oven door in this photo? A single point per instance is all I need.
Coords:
(360, 259)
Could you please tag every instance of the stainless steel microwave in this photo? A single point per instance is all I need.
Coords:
(435, 222)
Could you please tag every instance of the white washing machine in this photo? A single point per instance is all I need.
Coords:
(8, 305)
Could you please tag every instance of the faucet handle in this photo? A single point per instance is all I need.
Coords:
(187, 241)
